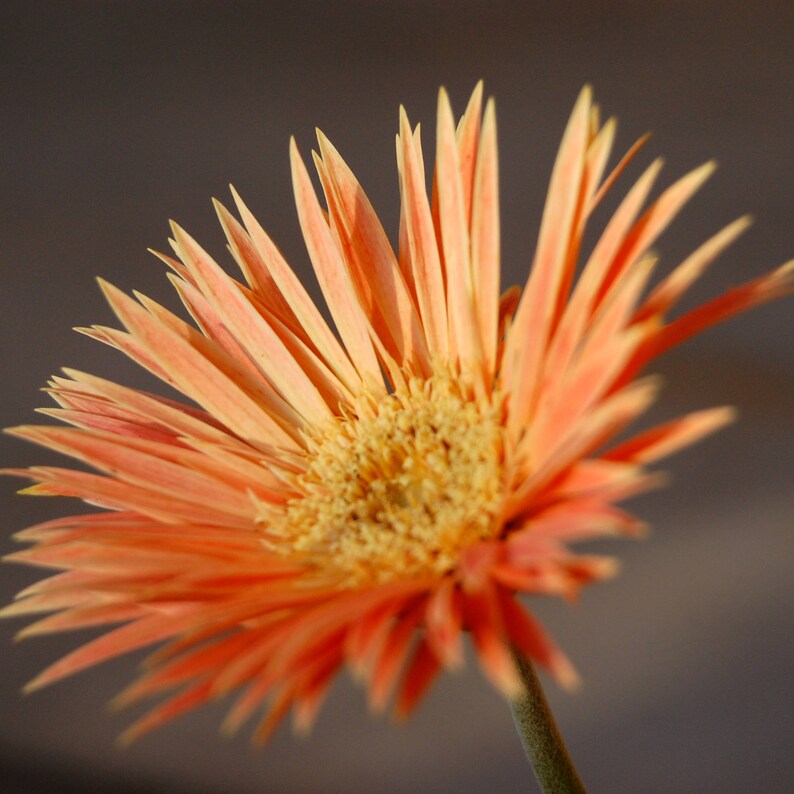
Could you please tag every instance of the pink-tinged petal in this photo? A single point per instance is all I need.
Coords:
(595, 160)
(444, 624)
(774, 285)
(366, 636)
(655, 220)
(108, 424)
(211, 325)
(626, 485)
(172, 708)
(197, 376)
(149, 464)
(255, 268)
(333, 277)
(392, 657)
(180, 419)
(330, 389)
(298, 346)
(116, 495)
(78, 404)
(33, 604)
(613, 415)
(664, 440)
(419, 675)
(423, 250)
(485, 621)
(179, 270)
(131, 347)
(580, 307)
(617, 171)
(328, 385)
(370, 259)
(276, 712)
(336, 615)
(143, 632)
(595, 163)
(250, 663)
(309, 317)
(670, 290)
(85, 617)
(196, 664)
(603, 356)
(533, 321)
(314, 690)
(248, 702)
(589, 478)
(533, 576)
(468, 137)
(485, 241)
(530, 640)
(454, 236)
(257, 338)
(403, 252)
(574, 520)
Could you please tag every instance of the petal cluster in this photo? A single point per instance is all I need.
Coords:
(312, 503)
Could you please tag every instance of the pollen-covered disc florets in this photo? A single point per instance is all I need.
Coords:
(402, 489)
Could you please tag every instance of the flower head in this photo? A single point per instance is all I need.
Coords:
(364, 498)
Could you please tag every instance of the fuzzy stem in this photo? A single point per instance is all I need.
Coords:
(541, 738)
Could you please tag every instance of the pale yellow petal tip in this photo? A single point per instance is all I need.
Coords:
(27, 632)
(566, 675)
(127, 738)
(34, 685)
(302, 726)
(725, 415)
(444, 104)
(703, 172)
(323, 142)
(510, 684)
(228, 729)
(639, 530)
(122, 700)
(607, 568)
(785, 275)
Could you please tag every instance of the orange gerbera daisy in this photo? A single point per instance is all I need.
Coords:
(365, 499)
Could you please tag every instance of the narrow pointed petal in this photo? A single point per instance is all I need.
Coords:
(455, 239)
(301, 304)
(664, 440)
(370, 259)
(419, 675)
(532, 325)
(196, 376)
(468, 136)
(424, 255)
(485, 245)
(258, 339)
(668, 292)
(333, 277)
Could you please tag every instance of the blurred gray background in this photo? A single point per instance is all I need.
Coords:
(116, 116)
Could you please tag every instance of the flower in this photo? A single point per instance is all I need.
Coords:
(365, 499)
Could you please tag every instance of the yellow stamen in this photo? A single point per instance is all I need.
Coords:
(402, 490)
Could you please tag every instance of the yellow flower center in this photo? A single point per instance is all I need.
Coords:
(399, 492)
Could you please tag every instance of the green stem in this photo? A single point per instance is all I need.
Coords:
(541, 738)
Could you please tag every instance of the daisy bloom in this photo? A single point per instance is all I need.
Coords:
(364, 497)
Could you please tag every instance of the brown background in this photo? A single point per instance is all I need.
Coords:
(117, 116)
